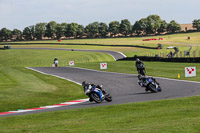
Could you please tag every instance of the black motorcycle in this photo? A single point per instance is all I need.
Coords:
(141, 69)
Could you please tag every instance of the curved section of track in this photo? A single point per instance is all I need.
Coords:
(122, 87)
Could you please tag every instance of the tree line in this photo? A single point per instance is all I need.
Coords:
(151, 25)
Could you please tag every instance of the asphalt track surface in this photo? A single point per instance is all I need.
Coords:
(122, 87)
(114, 54)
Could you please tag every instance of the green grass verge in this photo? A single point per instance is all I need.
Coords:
(22, 89)
(175, 115)
(159, 69)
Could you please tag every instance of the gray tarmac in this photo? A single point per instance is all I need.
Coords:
(122, 87)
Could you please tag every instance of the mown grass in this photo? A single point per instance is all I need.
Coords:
(21, 88)
(35, 58)
(158, 69)
(175, 115)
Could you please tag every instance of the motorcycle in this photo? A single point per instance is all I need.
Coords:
(96, 93)
(141, 69)
(151, 85)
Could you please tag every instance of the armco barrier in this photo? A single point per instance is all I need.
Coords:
(146, 58)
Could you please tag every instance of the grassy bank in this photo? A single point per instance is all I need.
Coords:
(177, 115)
(21, 88)
(38, 58)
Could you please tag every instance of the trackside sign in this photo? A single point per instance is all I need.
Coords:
(71, 63)
(190, 71)
(103, 65)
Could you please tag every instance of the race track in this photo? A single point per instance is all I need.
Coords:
(122, 87)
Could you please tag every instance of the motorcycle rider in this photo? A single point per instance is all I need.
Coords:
(56, 61)
(87, 88)
(142, 80)
(138, 65)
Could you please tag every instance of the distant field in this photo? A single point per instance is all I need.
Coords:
(173, 38)
(178, 40)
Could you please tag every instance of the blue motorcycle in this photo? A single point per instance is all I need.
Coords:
(153, 85)
(149, 83)
(96, 93)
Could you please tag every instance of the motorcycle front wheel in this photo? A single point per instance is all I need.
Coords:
(152, 88)
(95, 97)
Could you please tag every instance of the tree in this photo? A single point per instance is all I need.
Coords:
(92, 29)
(136, 28)
(60, 30)
(51, 29)
(80, 30)
(5, 34)
(163, 27)
(17, 33)
(173, 27)
(196, 24)
(103, 29)
(125, 27)
(153, 24)
(29, 32)
(65, 26)
(140, 26)
(114, 28)
(72, 30)
(40, 29)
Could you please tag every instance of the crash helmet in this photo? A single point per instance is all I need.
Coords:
(139, 76)
(137, 60)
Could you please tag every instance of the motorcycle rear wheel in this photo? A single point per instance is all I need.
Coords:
(108, 98)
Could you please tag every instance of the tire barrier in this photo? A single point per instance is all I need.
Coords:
(161, 59)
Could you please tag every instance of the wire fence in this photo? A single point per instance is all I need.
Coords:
(180, 54)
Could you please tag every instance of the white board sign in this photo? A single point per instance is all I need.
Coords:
(103, 65)
(190, 71)
(71, 63)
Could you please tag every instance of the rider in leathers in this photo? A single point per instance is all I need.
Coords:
(87, 88)
(138, 63)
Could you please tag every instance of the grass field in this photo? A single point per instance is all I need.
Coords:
(178, 40)
(164, 116)
(21, 88)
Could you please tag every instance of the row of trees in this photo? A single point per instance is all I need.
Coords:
(152, 25)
